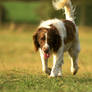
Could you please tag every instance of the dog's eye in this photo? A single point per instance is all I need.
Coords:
(43, 38)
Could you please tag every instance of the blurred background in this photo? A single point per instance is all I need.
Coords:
(34, 11)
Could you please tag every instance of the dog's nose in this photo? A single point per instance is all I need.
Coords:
(46, 50)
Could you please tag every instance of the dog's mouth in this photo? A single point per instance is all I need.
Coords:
(46, 55)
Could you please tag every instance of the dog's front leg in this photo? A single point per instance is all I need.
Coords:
(44, 63)
(57, 63)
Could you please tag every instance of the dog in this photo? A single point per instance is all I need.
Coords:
(55, 36)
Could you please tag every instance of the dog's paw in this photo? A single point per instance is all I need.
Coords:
(74, 70)
(48, 71)
(53, 74)
(59, 74)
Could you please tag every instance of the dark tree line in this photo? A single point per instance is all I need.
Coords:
(2, 14)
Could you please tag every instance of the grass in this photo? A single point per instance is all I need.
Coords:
(20, 66)
(22, 82)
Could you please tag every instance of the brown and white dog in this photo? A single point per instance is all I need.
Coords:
(55, 37)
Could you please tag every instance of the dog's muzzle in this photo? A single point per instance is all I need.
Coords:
(46, 52)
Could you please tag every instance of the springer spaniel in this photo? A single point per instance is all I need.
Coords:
(55, 37)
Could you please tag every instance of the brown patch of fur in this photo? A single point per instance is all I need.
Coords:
(41, 36)
(54, 38)
(35, 41)
(38, 38)
(71, 30)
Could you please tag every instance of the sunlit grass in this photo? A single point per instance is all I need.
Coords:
(17, 51)
(20, 65)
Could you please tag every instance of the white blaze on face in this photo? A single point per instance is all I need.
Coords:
(46, 39)
(46, 46)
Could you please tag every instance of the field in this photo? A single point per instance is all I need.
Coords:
(20, 66)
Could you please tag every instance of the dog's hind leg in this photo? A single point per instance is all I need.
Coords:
(74, 52)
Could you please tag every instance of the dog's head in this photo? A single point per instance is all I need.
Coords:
(48, 39)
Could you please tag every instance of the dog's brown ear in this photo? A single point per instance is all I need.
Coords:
(56, 38)
(35, 41)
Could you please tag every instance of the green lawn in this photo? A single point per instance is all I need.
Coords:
(29, 12)
(20, 66)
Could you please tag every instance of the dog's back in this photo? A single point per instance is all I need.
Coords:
(69, 23)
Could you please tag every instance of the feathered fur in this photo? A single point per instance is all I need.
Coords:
(67, 6)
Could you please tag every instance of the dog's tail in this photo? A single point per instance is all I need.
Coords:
(67, 6)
